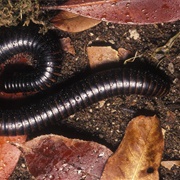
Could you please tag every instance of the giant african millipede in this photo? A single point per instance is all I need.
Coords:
(69, 100)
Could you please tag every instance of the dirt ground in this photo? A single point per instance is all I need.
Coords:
(105, 122)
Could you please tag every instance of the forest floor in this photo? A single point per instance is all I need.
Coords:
(105, 122)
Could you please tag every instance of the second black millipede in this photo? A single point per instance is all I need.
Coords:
(67, 101)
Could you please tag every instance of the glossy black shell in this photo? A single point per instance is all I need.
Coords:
(45, 52)
(81, 94)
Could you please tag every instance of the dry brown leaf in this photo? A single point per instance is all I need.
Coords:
(9, 154)
(139, 154)
(70, 22)
(170, 164)
(124, 11)
(99, 55)
(57, 157)
(67, 46)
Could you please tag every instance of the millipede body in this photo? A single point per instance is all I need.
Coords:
(79, 95)
(45, 53)
(68, 100)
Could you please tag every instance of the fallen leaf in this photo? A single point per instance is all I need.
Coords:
(67, 46)
(99, 55)
(70, 22)
(9, 154)
(139, 155)
(170, 164)
(57, 157)
(124, 53)
(123, 11)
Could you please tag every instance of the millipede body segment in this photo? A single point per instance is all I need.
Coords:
(79, 95)
(45, 53)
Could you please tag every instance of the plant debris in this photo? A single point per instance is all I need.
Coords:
(22, 12)
(57, 157)
(139, 155)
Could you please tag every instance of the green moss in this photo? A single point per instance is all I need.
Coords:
(13, 12)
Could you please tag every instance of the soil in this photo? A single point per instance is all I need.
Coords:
(105, 122)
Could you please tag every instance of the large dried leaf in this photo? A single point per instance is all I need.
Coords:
(73, 23)
(9, 154)
(139, 154)
(124, 11)
(57, 157)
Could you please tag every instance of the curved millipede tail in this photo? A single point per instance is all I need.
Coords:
(45, 53)
(79, 95)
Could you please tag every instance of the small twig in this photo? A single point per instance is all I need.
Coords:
(10, 4)
(132, 59)
(165, 49)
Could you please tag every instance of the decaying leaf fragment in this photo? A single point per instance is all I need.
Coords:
(123, 11)
(104, 55)
(67, 46)
(99, 55)
(9, 154)
(70, 22)
(57, 157)
(139, 154)
(170, 164)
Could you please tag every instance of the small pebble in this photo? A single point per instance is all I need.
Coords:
(171, 68)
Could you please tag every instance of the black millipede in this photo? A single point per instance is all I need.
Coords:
(45, 53)
(69, 100)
